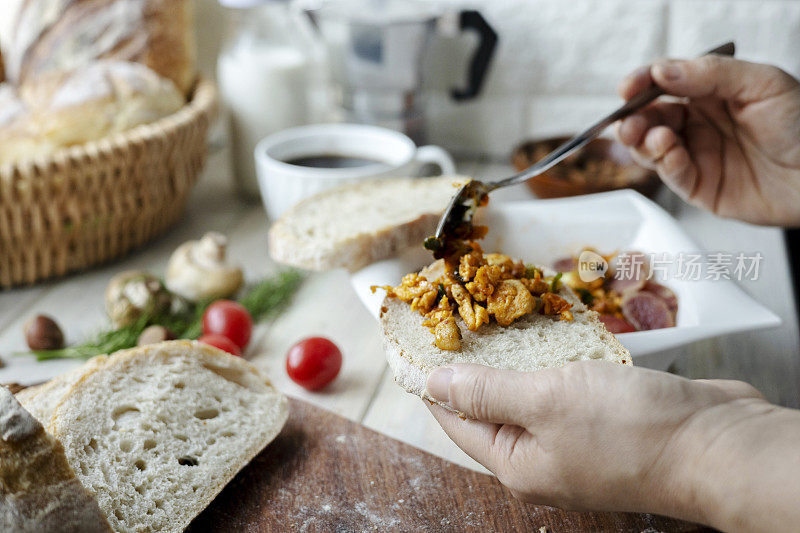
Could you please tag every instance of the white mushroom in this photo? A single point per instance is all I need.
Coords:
(132, 292)
(199, 270)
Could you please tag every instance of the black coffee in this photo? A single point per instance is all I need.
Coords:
(332, 161)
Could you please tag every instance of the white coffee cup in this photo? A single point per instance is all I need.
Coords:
(282, 184)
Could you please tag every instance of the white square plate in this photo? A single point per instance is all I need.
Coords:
(540, 231)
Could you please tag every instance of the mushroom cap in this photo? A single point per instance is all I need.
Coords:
(199, 270)
(130, 292)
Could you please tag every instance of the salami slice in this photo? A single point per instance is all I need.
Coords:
(630, 271)
(645, 311)
(623, 286)
(628, 261)
(565, 264)
(665, 293)
(616, 325)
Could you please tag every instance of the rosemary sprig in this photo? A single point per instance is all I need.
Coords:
(263, 300)
(268, 297)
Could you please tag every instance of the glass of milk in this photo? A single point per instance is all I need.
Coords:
(269, 76)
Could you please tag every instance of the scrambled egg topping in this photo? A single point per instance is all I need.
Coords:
(479, 287)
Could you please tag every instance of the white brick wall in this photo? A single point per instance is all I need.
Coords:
(560, 60)
(767, 31)
(489, 125)
(573, 47)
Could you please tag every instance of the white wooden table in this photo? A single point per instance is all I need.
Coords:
(326, 305)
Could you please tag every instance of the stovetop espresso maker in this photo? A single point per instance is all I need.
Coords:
(376, 50)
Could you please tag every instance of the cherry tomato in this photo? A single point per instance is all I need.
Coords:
(228, 319)
(222, 342)
(314, 362)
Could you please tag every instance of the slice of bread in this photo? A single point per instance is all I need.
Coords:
(355, 225)
(41, 400)
(38, 490)
(157, 431)
(532, 342)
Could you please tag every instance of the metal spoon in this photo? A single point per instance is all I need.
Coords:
(462, 207)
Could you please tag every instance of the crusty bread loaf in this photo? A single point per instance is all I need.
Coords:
(62, 108)
(38, 490)
(355, 225)
(532, 342)
(12, 107)
(54, 35)
(18, 134)
(156, 432)
(41, 400)
(8, 19)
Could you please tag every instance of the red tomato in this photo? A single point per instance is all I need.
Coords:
(314, 362)
(228, 319)
(222, 342)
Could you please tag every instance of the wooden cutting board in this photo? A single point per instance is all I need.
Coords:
(326, 473)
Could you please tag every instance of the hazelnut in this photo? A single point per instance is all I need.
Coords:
(154, 334)
(43, 333)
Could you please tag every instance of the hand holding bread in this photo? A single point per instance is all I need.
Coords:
(589, 435)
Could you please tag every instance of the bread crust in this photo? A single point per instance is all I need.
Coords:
(170, 349)
(38, 489)
(61, 109)
(355, 251)
(42, 400)
(50, 35)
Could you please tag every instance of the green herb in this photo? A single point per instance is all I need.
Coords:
(586, 296)
(263, 300)
(269, 296)
(554, 283)
(432, 243)
(440, 292)
(531, 270)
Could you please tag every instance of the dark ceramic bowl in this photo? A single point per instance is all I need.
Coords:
(600, 166)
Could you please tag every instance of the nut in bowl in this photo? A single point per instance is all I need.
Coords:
(600, 166)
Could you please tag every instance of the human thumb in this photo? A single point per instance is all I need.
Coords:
(482, 393)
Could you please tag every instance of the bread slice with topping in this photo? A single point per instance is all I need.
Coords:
(355, 225)
(38, 490)
(533, 342)
(157, 431)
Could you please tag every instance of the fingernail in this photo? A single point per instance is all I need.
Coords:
(439, 383)
(670, 70)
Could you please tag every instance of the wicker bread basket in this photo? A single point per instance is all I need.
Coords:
(92, 203)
